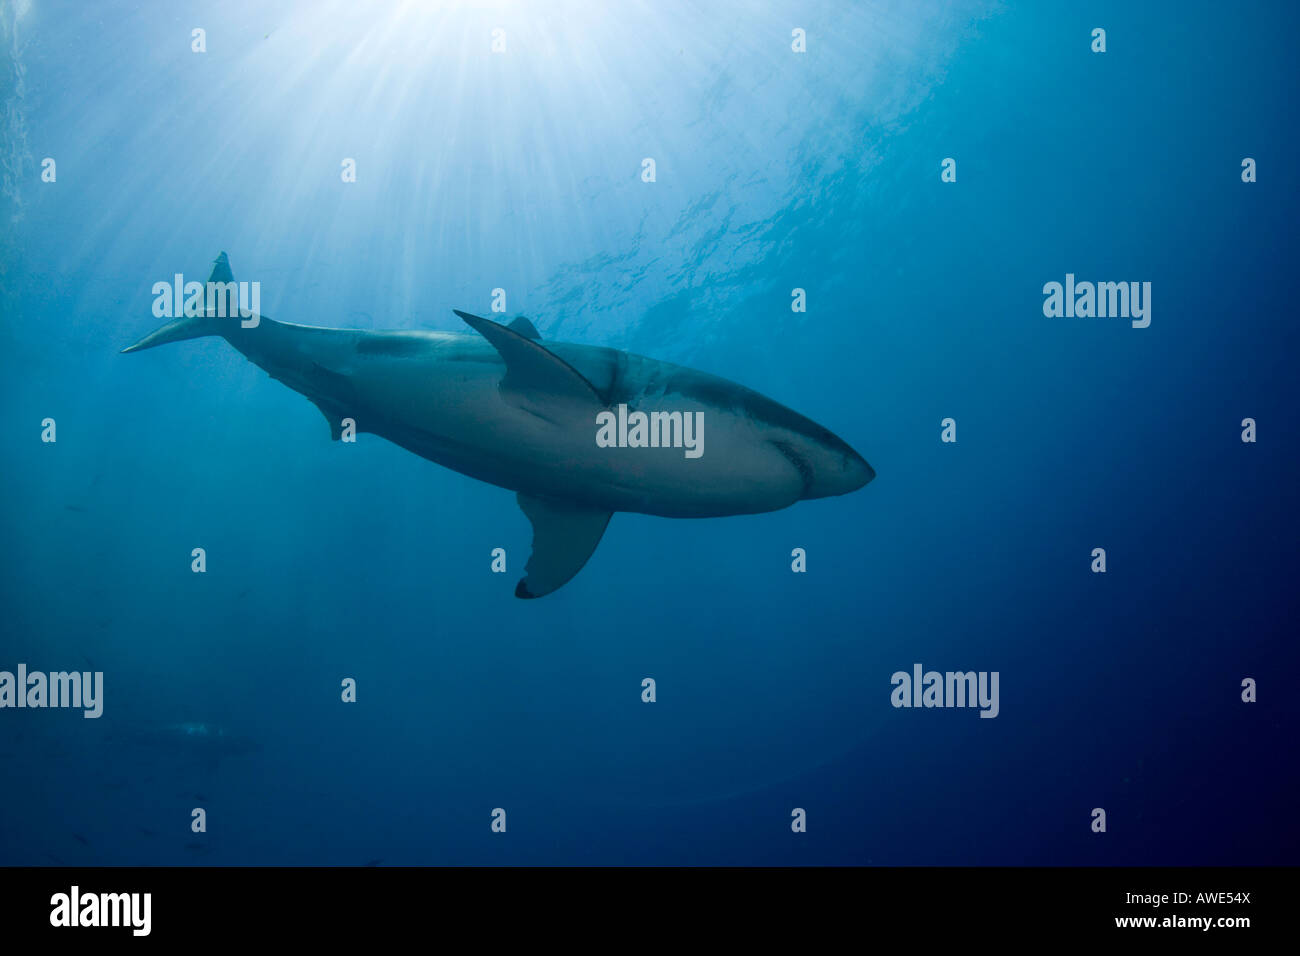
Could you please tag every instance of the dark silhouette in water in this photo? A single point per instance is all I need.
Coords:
(193, 749)
(503, 407)
(195, 737)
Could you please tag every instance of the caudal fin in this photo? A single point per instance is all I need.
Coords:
(190, 326)
(177, 331)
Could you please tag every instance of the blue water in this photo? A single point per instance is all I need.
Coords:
(521, 170)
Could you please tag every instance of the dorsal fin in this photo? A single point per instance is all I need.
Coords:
(525, 328)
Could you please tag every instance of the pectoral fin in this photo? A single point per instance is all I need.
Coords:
(535, 377)
(564, 537)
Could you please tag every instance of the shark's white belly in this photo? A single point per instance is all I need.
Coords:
(459, 419)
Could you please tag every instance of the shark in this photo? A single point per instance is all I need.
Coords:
(212, 740)
(577, 432)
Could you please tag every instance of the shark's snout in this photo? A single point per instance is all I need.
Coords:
(841, 473)
(856, 472)
(827, 465)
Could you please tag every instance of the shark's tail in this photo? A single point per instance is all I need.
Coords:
(191, 326)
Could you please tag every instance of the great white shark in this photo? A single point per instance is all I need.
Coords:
(499, 405)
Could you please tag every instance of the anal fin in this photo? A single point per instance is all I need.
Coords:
(334, 415)
(332, 393)
(564, 538)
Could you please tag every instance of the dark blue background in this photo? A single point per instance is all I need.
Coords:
(775, 171)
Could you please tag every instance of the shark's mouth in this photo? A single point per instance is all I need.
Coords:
(800, 464)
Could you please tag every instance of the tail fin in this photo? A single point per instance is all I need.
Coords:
(190, 326)
(221, 270)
